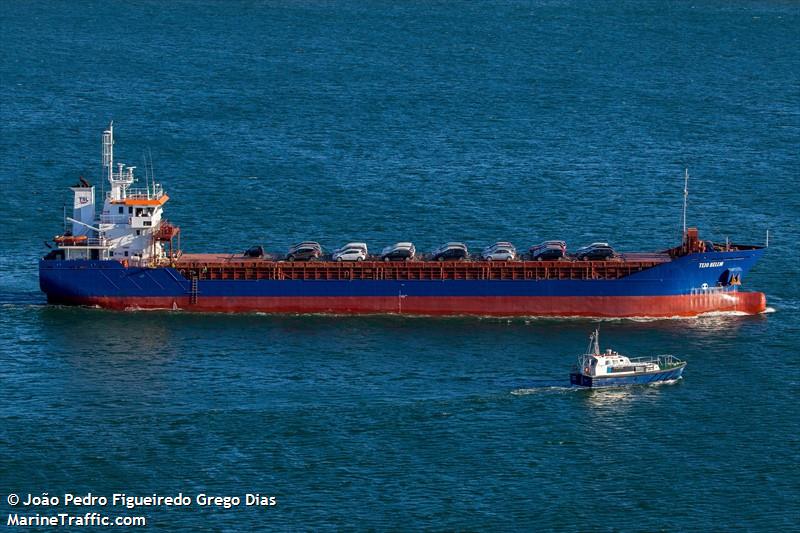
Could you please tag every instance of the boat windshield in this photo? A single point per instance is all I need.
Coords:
(587, 363)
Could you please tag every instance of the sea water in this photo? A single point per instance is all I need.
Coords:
(274, 122)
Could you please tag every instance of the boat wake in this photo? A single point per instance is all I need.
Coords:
(539, 386)
(700, 317)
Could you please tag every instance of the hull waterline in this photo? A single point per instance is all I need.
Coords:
(566, 306)
(620, 381)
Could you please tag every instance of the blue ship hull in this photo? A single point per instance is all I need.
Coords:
(582, 380)
(684, 286)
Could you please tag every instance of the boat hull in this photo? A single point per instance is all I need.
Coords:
(683, 287)
(582, 380)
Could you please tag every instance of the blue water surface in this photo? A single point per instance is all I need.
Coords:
(273, 122)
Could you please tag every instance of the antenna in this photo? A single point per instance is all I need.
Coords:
(766, 245)
(108, 150)
(685, 197)
(594, 343)
(152, 172)
(146, 180)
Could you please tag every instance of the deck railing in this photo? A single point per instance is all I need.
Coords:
(667, 359)
(115, 219)
(153, 193)
(414, 270)
(93, 242)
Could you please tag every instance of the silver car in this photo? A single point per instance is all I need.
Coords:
(352, 245)
(354, 253)
(499, 251)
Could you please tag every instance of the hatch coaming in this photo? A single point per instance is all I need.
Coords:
(210, 267)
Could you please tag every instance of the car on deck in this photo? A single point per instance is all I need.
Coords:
(304, 251)
(499, 251)
(401, 251)
(450, 251)
(254, 251)
(351, 245)
(354, 251)
(597, 251)
(548, 251)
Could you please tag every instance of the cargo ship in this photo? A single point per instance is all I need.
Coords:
(128, 257)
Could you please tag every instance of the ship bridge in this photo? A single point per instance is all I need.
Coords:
(130, 227)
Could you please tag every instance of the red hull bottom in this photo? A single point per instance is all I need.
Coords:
(587, 306)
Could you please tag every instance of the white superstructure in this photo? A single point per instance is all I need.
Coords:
(130, 228)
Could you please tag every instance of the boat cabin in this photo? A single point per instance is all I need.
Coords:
(610, 363)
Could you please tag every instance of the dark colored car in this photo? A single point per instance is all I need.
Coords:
(548, 251)
(598, 252)
(304, 251)
(401, 251)
(451, 251)
(254, 251)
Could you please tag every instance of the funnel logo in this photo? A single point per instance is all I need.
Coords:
(82, 200)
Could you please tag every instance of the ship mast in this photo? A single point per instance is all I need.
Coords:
(108, 151)
(594, 343)
(123, 177)
(685, 198)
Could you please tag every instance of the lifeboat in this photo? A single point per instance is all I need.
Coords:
(71, 240)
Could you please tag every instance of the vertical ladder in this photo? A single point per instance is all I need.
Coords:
(193, 298)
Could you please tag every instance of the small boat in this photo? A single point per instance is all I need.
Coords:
(70, 240)
(611, 369)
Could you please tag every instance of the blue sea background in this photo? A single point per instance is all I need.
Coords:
(272, 122)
